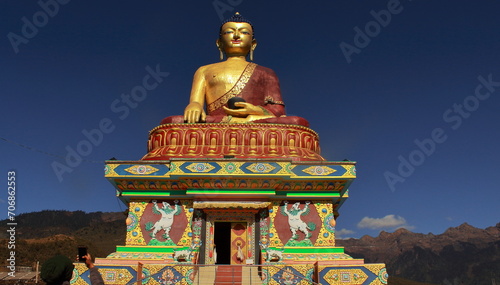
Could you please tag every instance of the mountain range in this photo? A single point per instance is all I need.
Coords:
(460, 255)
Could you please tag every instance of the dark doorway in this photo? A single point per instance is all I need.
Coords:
(222, 240)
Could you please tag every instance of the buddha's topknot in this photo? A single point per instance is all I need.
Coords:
(237, 18)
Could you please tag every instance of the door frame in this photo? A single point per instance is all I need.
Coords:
(229, 215)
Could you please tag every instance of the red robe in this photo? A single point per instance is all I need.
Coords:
(259, 86)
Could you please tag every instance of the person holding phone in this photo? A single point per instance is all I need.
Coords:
(95, 276)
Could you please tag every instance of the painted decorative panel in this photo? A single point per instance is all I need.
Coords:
(160, 223)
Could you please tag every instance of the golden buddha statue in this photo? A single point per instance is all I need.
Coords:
(245, 115)
(256, 87)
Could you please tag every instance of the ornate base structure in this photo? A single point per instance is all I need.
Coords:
(258, 196)
(261, 141)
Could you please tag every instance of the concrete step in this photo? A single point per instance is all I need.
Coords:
(205, 276)
(251, 276)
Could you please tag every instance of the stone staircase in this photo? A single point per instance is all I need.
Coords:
(228, 274)
(206, 275)
(250, 276)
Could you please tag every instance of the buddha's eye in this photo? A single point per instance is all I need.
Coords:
(245, 33)
(228, 32)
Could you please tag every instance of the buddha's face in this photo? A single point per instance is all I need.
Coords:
(236, 38)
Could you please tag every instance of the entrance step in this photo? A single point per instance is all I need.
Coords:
(205, 276)
(227, 274)
(250, 276)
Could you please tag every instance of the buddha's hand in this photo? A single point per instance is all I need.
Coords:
(194, 113)
(245, 109)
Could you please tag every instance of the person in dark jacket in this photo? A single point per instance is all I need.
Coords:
(58, 270)
(95, 276)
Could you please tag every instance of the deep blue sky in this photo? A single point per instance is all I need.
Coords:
(399, 87)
